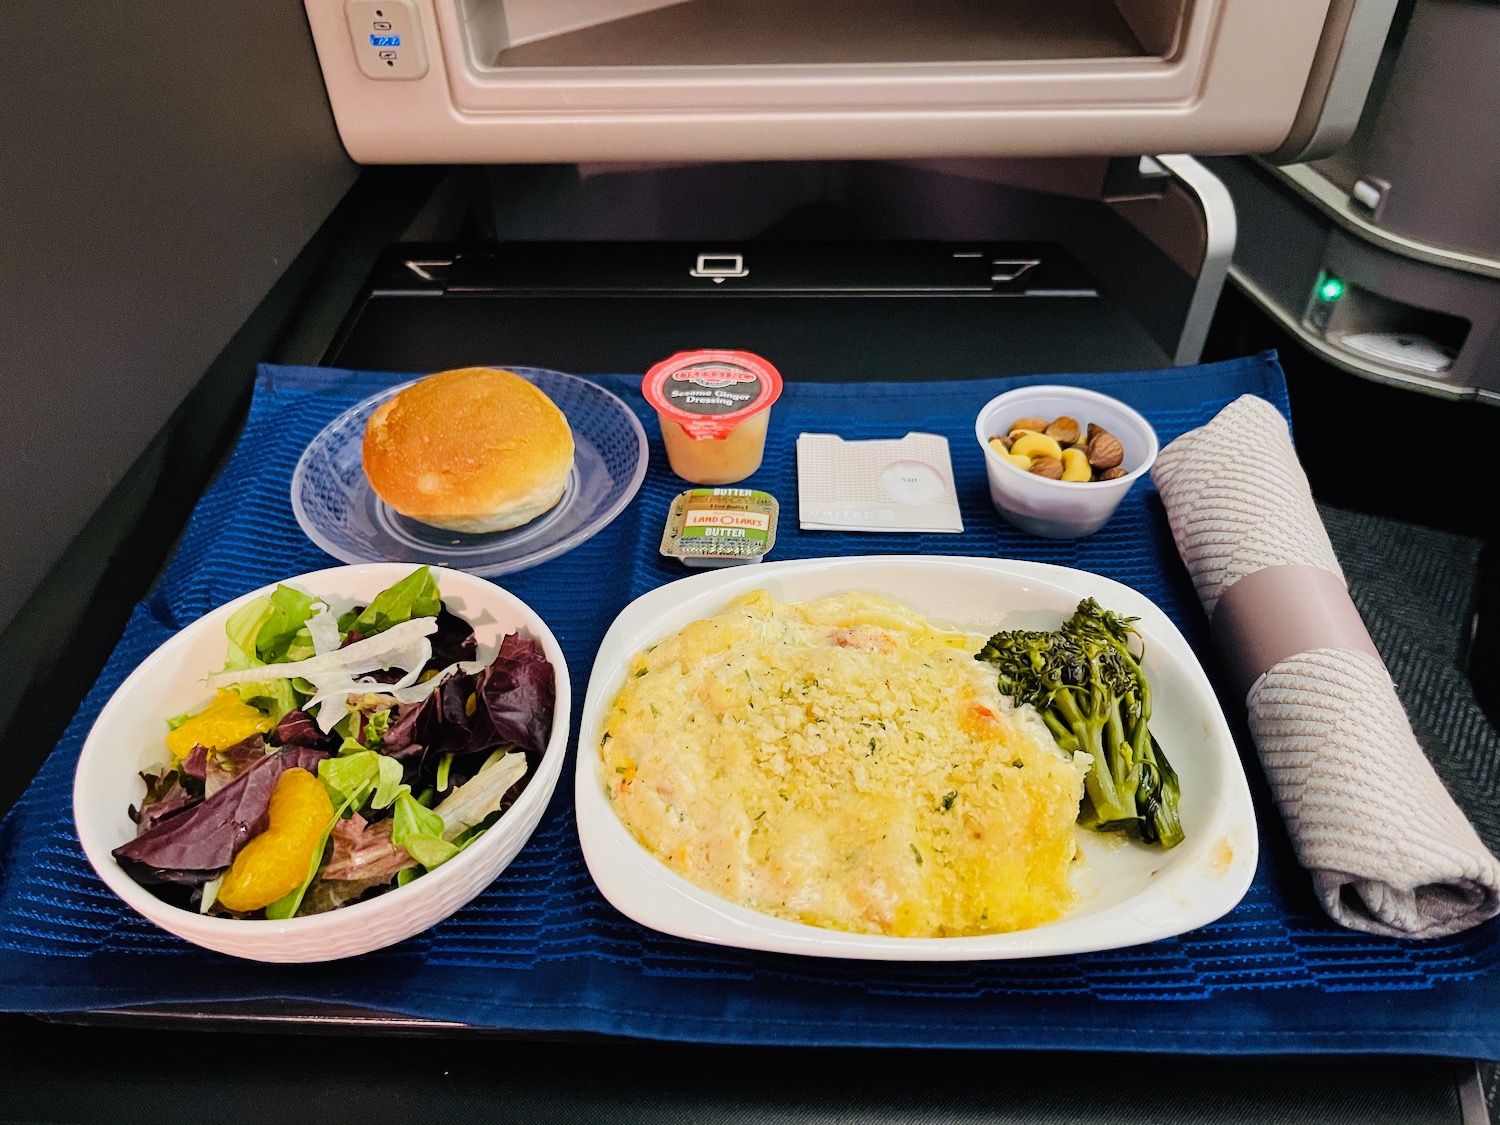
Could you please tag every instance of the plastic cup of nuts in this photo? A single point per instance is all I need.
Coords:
(1060, 459)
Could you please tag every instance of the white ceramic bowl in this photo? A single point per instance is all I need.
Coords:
(1058, 509)
(128, 737)
(1129, 893)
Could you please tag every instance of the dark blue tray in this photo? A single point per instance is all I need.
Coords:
(542, 950)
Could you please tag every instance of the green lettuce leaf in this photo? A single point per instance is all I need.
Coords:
(352, 778)
(430, 851)
(416, 595)
(474, 831)
(243, 628)
(275, 697)
(420, 832)
(283, 636)
(375, 724)
(411, 819)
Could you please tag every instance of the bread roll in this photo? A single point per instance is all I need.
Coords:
(473, 450)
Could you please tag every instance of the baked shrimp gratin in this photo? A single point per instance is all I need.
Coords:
(847, 764)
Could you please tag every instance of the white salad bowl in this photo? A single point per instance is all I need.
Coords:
(1128, 893)
(129, 736)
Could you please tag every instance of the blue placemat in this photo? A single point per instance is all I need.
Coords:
(542, 950)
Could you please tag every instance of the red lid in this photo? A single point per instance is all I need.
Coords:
(709, 393)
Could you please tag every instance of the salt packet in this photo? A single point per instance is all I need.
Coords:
(895, 484)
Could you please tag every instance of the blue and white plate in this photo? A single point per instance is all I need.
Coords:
(341, 513)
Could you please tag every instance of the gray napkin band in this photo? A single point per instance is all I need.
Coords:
(1280, 611)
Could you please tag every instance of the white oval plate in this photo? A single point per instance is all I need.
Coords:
(1129, 893)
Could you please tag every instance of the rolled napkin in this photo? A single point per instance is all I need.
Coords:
(1388, 850)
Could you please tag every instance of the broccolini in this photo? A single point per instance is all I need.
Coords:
(1088, 685)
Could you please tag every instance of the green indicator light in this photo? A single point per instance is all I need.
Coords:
(1331, 289)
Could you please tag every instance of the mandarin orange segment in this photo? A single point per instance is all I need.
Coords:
(225, 721)
(276, 862)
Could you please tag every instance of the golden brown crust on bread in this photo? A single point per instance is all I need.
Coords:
(475, 449)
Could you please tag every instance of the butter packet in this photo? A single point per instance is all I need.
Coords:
(720, 526)
(895, 484)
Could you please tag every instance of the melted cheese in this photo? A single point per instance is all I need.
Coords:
(845, 764)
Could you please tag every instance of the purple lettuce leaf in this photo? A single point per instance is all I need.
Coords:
(517, 692)
(193, 844)
(195, 765)
(513, 702)
(362, 850)
(165, 794)
(299, 730)
(227, 764)
(330, 894)
(454, 641)
(362, 859)
(430, 727)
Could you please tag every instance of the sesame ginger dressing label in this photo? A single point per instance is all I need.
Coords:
(711, 390)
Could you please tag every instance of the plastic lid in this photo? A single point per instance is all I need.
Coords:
(709, 393)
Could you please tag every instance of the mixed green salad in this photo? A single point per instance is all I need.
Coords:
(342, 755)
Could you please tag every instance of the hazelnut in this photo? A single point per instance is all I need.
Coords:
(1063, 430)
(1105, 450)
(1111, 474)
(1049, 467)
(1037, 424)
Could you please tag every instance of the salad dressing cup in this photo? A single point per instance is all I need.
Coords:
(714, 408)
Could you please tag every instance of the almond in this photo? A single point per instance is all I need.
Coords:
(1105, 450)
(1111, 474)
(1063, 430)
(1049, 467)
(1037, 424)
